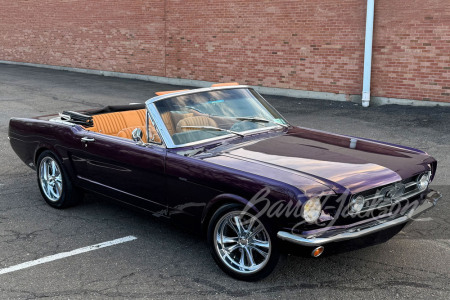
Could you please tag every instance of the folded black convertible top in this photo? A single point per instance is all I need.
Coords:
(115, 108)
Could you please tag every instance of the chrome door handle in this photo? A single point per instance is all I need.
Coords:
(87, 139)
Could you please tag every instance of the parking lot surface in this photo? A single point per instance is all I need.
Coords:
(164, 261)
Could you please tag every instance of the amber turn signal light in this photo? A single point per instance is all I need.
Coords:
(317, 251)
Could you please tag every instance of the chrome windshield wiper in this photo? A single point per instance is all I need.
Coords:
(212, 128)
(252, 119)
(261, 120)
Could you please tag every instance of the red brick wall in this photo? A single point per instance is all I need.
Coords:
(299, 44)
(411, 57)
(113, 35)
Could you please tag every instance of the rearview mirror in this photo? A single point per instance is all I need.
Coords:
(137, 135)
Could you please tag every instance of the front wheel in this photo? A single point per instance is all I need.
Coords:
(243, 246)
(54, 183)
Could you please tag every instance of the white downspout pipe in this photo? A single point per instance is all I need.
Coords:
(368, 53)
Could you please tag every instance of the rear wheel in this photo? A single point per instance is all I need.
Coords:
(243, 246)
(54, 183)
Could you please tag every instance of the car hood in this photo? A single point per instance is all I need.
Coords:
(328, 159)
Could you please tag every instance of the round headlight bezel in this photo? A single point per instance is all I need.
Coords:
(312, 209)
(357, 204)
(423, 181)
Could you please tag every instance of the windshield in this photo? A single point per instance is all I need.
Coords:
(200, 116)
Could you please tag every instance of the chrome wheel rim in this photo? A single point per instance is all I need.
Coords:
(51, 179)
(242, 242)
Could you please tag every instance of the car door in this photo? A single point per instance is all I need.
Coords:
(122, 169)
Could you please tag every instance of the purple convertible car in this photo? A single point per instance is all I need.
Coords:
(224, 162)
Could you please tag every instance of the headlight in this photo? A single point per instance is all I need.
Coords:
(423, 181)
(312, 210)
(357, 204)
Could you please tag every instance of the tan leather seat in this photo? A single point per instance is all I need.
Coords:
(195, 121)
(126, 133)
(112, 123)
(177, 117)
(172, 118)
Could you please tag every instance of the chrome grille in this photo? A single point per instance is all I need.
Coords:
(391, 194)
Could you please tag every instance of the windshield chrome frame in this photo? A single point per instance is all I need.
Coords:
(165, 136)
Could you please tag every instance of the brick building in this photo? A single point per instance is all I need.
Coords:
(305, 45)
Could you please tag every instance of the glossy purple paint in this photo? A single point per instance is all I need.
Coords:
(295, 164)
(328, 159)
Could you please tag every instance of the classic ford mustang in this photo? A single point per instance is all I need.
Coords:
(223, 161)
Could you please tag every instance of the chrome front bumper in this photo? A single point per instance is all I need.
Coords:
(335, 234)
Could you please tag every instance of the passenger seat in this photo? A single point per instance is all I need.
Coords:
(112, 123)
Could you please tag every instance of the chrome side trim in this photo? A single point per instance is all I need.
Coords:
(147, 129)
(159, 125)
(360, 231)
(149, 119)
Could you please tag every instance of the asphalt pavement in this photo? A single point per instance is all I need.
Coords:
(166, 261)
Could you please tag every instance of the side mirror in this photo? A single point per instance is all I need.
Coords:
(137, 135)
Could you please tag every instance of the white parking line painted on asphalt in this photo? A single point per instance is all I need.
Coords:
(62, 255)
(423, 219)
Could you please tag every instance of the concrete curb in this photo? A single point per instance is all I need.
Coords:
(375, 101)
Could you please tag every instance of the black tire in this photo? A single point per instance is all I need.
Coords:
(65, 196)
(220, 222)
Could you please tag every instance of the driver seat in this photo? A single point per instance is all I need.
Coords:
(195, 121)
